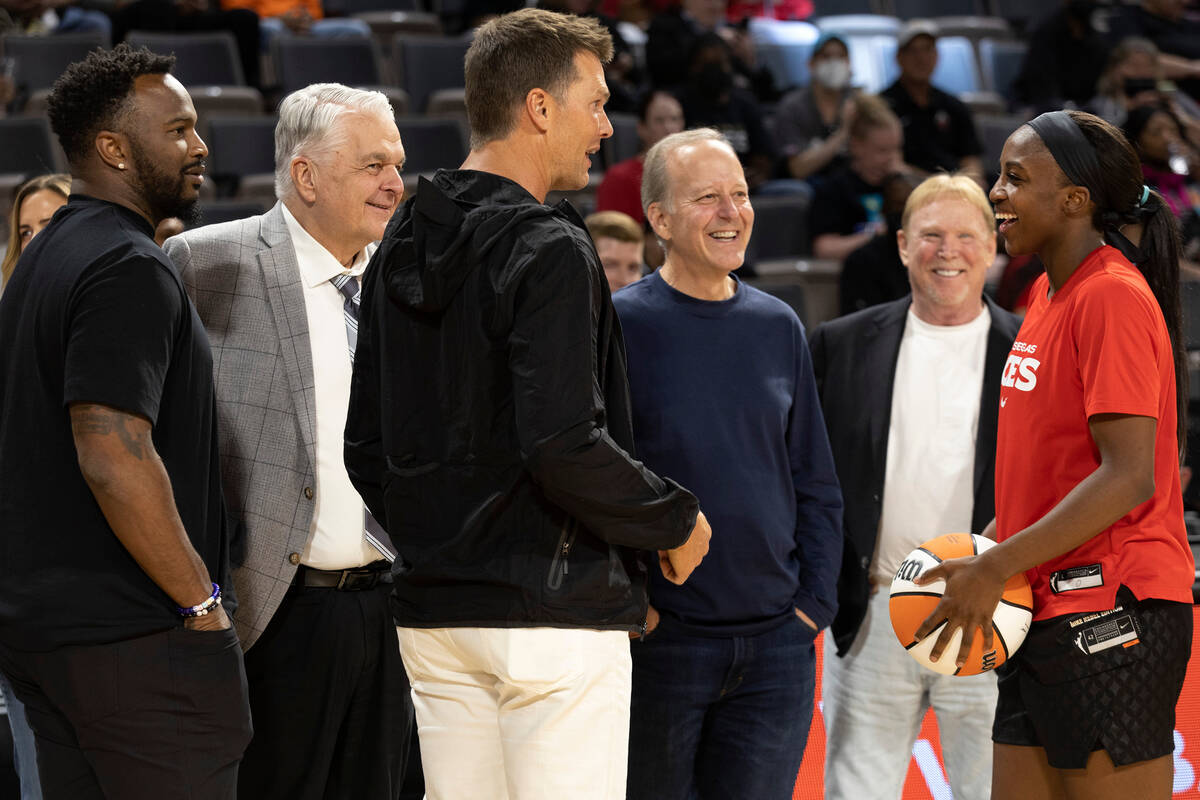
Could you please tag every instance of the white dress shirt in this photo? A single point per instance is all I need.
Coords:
(929, 483)
(335, 540)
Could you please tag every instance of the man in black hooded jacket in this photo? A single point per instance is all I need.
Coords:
(490, 433)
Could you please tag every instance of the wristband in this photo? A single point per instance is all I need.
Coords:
(201, 609)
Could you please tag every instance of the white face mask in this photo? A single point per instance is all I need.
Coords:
(832, 73)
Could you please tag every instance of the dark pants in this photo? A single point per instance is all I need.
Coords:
(330, 698)
(720, 717)
(159, 716)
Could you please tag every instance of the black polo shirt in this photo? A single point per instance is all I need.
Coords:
(96, 313)
(937, 136)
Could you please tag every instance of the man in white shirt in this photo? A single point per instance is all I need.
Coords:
(278, 294)
(910, 389)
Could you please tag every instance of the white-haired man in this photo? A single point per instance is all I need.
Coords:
(724, 400)
(278, 294)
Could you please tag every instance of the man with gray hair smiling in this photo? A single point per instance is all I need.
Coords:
(279, 296)
(724, 401)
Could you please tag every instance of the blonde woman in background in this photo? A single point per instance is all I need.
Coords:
(34, 205)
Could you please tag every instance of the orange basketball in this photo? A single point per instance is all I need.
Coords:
(911, 604)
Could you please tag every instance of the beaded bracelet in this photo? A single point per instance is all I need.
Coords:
(201, 609)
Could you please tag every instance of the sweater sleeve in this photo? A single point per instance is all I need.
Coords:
(818, 495)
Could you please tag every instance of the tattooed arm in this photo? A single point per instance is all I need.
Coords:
(131, 485)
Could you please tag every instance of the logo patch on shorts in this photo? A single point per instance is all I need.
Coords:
(1117, 628)
(1075, 578)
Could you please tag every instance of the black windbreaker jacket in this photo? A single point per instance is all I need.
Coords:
(489, 429)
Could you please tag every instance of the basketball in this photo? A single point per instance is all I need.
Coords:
(911, 604)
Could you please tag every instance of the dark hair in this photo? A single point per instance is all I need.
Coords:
(519, 52)
(646, 99)
(91, 95)
(1138, 118)
(1121, 199)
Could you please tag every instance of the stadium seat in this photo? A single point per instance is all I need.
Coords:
(239, 147)
(993, 130)
(27, 147)
(956, 72)
(1001, 63)
(431, 144)
(826, 8)
(780, 228)
(201, 59)
(1189, 299)
(354, 61)
(907, 9)
(860, 24)
(226, 211)
(624, 143)
(784, 47)
(424, 64)
(39, 60)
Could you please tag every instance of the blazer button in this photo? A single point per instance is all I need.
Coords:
(293, 558)
(308, 493)
(874, 497)
(866, 562)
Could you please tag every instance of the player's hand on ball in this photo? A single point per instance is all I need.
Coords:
(677, 564)
(973, 588)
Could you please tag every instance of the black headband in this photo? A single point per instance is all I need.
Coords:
(1077, 158)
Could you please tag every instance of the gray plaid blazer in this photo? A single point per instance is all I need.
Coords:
(245, 282)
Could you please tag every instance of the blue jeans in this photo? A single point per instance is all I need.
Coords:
(720, 717)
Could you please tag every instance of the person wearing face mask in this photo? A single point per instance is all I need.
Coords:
(710, 98)
(812, 123)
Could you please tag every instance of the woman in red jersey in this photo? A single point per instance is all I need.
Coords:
(1088, 499)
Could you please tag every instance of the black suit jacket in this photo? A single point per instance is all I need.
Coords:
(854, 358)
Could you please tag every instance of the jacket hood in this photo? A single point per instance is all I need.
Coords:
(446, 231)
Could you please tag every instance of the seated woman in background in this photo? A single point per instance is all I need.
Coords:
(33, 206)
(1169, 166)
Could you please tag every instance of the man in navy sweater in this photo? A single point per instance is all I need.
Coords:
(724, 400)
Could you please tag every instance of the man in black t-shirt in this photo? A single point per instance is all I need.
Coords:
(112, 526)
(939, 133)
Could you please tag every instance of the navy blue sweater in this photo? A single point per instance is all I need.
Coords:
(724, 402)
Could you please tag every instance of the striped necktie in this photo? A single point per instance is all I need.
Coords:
(351, 296)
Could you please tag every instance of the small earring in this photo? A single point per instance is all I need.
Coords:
(121, 165)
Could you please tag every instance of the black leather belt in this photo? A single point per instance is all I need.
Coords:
(344, 580)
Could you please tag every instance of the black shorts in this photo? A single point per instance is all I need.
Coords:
(1104, 680)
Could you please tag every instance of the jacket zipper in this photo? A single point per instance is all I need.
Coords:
(558, 566)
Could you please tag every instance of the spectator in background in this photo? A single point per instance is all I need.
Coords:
(33, 205)
(622, 73)
(847, 209)
(1066, 57)
(619, 243)
(1176, 33)
(874, 273)
(1130, 79)
(193, 16)
(939, 134)
(659, 115)
(671, 39)
(1169, 162)
(299, 18)
(812, 123)
(911, 391)
(37, 17)
(723, 397)
(712, 99)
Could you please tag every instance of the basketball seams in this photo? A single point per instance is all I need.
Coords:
(931, 554)
(1021, 606)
